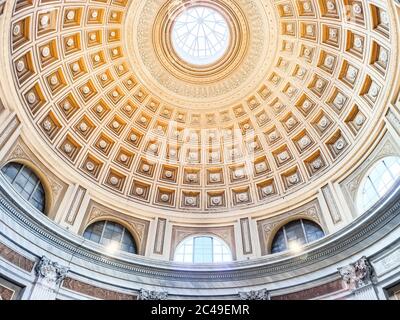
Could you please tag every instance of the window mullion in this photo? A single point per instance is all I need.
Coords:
(390, 171)
(194, 249)
(102, 231)
(122, 237)
(16, 176)
(212, 249)
(33, 192)
(374, 187)
(304, 231)
(285, 237)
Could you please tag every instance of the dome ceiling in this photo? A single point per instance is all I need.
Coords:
(298, 90)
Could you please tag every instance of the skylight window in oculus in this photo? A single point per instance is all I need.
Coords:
(200, 35)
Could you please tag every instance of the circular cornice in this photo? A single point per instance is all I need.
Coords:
(375, 224)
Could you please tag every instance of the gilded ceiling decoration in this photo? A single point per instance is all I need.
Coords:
(297, 90)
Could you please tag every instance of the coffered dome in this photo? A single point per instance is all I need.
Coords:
(282, 94)
(208, 144)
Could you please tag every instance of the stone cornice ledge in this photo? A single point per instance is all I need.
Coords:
(353, 238)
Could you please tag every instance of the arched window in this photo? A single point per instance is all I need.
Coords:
(378, 182)
(112, 235)
(296, 234)
(26, 183)
(202, 249)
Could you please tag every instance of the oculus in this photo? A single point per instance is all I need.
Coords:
(200, 35)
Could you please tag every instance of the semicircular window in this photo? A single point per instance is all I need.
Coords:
(112, 235)
(202, 249)
(26, 183)
(381, 178)
(295, 234)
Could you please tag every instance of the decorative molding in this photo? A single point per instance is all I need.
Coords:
(55, 187)
(75, 205)
(261, 294)
(331, 203)
(358, 274)
(51, 273)
(160, 236)
(18, 153)
(8, 130)
(394, 120)
(246, 236)
(152, 295)
(373, 225)
(388, 262)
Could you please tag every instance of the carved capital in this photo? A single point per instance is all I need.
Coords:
(357, 274)
(152, 295)
(262, 294)
(49, 272)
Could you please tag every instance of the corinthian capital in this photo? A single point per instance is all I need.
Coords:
(51, 272)
(262, 294)
(152, 295)
(357, 274)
